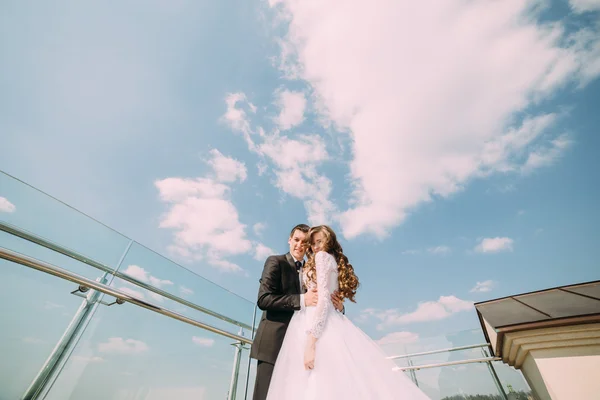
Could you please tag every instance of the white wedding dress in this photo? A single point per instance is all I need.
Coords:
(348, 364)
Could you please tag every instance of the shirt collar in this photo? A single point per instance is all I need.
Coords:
(294, 258)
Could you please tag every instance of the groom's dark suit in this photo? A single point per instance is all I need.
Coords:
(278, 297)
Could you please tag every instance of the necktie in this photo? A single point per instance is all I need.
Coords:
(298, 266)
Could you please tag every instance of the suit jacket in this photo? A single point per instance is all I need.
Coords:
(278, 297)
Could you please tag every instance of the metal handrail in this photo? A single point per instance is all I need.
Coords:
(13, 230)
(80, 280)
(425, 353)
(444, 364)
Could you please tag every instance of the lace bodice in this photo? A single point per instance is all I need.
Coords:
(327, 283)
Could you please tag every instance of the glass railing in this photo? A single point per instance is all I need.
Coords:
(457, 366)
(172, 334)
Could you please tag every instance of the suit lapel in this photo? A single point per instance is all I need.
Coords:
(292, 265)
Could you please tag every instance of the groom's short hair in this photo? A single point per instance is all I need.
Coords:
(300, 227)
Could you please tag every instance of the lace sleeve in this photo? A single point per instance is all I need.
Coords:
(324, 303)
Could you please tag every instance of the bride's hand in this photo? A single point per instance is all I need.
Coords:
(309, 355)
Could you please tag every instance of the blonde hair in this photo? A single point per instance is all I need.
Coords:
(347, 279)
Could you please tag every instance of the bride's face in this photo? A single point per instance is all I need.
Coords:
(318, 242)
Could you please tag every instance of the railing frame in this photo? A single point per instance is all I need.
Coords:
(33, 238)
(57, 359)
(81, 280)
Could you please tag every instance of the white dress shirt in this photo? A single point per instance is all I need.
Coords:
(302, 306)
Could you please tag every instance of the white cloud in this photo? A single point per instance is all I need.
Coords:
(185, 291)
(292, 106)
(419, 130)
(483, 287)
(262, 168)
(223, 265)
(402, 337)
(205, 221)
(118, 345)
(204, 342)
(546, 155)
(86, 359)
(296, 161)
(237, 118)
(132, 292)
(227, 169)
(141, 274)
(443, 308)
(259, 228)
(585, 5)
(495, 245)
(6, 206)
(439, 250)
(261, 252)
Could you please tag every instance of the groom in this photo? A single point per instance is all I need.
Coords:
(279, 295)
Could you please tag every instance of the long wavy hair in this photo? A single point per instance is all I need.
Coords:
(347, 279)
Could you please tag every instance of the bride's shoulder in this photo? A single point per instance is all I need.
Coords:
(323, 256)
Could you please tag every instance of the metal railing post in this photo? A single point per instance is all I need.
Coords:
(235, 373)
(494, 375)
(412, 372)
(47, 375)
(249, 358)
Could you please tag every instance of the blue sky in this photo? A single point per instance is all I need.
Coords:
(452, 147)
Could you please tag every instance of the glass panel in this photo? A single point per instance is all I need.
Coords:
(156, 270)
(35, 308)
(458, 382)
(455, 382)
(411, 343)
(29, 209)
(558, 303)
(246, 377)
(129, 353)
(30, 249)
(513, 382)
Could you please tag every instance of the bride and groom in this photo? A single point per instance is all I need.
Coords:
(305, 346)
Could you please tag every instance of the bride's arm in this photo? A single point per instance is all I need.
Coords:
(322, 310)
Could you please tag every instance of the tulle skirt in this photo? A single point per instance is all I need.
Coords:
(348, 365)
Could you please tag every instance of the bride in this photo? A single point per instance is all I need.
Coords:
(324, 355)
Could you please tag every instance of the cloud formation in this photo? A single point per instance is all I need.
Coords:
(205, 221)
(292, 106)
(6, 206)
(495, 245)
(483, 287)
(118, 345)
(427, 311)
(427, 116)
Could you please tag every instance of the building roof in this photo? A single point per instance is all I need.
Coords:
(565, 305)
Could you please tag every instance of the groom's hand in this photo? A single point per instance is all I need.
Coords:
(311, 297)
(338, 301)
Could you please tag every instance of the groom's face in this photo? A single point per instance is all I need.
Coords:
(297, 244)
